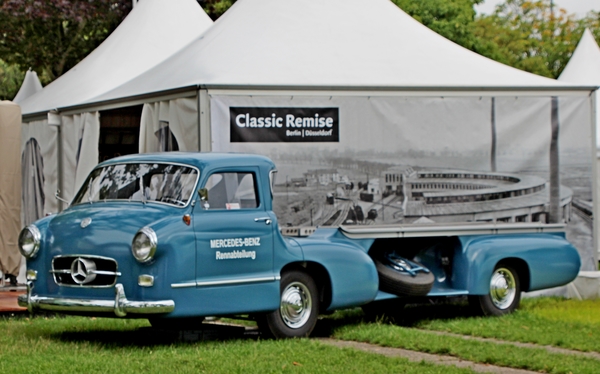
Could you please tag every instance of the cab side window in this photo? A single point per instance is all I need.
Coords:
(231, 191)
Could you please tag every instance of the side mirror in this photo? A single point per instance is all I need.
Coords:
(203, 193)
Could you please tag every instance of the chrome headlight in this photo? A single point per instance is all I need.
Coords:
(144, 245)
(29, 241)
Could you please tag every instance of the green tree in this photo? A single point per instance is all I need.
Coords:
(527, 35)
(453, 19)
(215, 8)
(592, 22)
(51, 36)
(11, 78)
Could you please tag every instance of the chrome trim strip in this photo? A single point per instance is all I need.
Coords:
(87, 256)
(98, 272)
(64, 271)
(103, 272)
(226, 282)
(120, 305)
(183, 285)
(235, 281)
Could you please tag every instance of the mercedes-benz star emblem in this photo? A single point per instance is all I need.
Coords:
(82, 270)
(85, 222)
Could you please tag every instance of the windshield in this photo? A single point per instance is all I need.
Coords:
(165, 183)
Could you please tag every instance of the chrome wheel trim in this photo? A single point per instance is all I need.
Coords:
(503, 288)
(296, 305)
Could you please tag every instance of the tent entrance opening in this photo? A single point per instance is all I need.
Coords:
(119, 132)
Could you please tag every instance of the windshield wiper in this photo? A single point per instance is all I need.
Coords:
(90, 191)
(143, 190)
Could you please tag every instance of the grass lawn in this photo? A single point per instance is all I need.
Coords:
(545, 321)
(86, 345)
(94, 345)
(561, 323)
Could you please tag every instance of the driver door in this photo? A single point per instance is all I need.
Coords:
(234, 234)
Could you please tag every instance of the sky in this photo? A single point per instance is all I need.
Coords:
(579, 7)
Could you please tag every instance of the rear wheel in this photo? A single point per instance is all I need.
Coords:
(298, 308)
(504, 293)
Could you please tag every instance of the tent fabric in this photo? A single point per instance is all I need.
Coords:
(80, 137)
(332, 43)
(10, 187)
(38, 170)
(584, 65)
(178, 117)
(153, 31)
(31, 85)
(584, 68)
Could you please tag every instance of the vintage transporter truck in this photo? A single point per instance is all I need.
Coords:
(174, 237)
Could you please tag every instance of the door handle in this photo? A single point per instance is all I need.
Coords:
(266, 220)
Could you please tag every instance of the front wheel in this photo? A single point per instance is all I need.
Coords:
(298, 307)
(504, 293)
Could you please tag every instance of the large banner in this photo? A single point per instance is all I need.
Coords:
(282, 125)
(417, 160)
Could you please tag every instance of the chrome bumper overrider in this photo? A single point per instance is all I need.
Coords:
(120, 305)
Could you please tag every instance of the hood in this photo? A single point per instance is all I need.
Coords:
(110, 227)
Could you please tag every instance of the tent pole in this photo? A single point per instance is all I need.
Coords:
(55, 119)
(554, 210)
(493, 118)
(595, 174)
(204, 135)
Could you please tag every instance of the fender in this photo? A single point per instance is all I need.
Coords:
(174, 252)
(353, 275)
(549, 259)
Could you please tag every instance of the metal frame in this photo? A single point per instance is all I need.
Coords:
(468, 228)
(595, 162)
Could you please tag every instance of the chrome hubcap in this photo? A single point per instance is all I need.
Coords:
(296, 305)
(503, 289)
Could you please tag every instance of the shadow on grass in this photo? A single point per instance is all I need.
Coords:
(150, 337)
(411, 315)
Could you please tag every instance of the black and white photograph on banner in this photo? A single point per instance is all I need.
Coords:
(420, 160)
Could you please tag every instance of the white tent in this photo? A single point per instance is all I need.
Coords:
(334, 43)
(153, 31)
(584, 68)
(31, 85)
(67, 145)
(389, 90)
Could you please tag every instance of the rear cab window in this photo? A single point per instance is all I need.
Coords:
(231, 191)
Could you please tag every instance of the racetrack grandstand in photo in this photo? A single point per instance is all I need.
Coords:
(462, 196)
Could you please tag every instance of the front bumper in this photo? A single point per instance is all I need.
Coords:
(120, 305)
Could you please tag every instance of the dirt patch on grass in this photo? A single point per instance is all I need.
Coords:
(414, 356)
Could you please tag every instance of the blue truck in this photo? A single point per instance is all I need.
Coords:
(176, 237)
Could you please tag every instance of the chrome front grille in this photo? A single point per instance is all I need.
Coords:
(85, 271)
